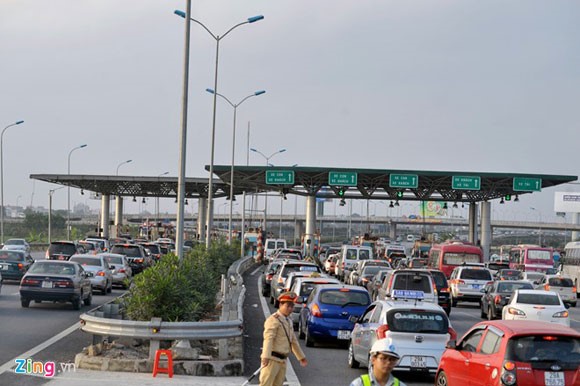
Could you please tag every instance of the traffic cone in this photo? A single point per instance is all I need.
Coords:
(260, 252)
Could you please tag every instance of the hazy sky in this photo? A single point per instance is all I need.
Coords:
(462, 85)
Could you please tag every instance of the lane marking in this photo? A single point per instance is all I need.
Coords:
(11, 363)
(291, 378)
(255, 270)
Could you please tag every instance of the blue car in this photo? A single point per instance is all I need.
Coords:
(328, 312)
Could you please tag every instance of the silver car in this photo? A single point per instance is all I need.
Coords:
(102, 278)
(121, 270)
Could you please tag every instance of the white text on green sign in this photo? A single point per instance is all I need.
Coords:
(466, 183)
(342, 178)
(403, 181)
(280, 177)
(527, 184)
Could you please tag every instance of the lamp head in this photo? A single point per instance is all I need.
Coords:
(129, 160)
(81, 146)
(179, 13)
(259, 92)
(254, 150)
(19, 122)
(209, 90)
(281, 150)
(255, 18)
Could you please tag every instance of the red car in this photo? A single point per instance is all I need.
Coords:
(512, 352)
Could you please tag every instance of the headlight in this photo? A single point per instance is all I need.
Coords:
(515, 311)
(561, 314)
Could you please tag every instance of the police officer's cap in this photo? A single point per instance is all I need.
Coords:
(287, 297)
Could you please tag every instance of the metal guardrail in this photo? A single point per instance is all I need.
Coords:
(230, 326)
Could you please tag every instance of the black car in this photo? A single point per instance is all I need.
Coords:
(497, 294)
(63, 250)
(136, 255)
(267, 276)
(509, 274)
(14, 264)
(443, 293)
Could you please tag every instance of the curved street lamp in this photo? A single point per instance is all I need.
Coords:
(2, 179)
(68, 193)
(267, 158)
(217, 38)
(123, 163)
(235, 106)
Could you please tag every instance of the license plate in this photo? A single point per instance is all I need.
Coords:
(4, 267)
(553, 378)
(46, 284)
(418, 362)
(343, 334)
(475, 286)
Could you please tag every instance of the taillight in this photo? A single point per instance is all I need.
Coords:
(459, 281)
(269, 277)
(452, 333)
(561, 314)
(515, 311)
(20, 266)
(574, 289)
(434, 289)
(122, 270)
(28, 281)
(444, 290)
(508, 373)
(63, 284)
(47, 255)
(138, 260)
(365, 280)
(100, 273)
(547, 287)
(316, 311)
(382, 331)
(497, 299)
(280, 280)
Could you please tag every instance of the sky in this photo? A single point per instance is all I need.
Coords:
(445, 85)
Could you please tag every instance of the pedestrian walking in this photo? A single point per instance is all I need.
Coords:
(279, 340)
(384, 358)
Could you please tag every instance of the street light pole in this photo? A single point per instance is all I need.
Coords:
(157, 207)
(2, 179)
(68, 193)
(217, 38)
(267, 159)
(235, 106)
(123, 163)
(50, 193)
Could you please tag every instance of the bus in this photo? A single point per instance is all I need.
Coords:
(531, 257)
(445, 257)
(571, 261)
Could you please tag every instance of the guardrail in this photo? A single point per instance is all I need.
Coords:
(106, 321)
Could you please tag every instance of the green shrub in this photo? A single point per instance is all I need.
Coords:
(180, 291)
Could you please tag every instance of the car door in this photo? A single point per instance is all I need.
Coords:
(487, 297)
(358, 332)
(458, 368)
(483, 361)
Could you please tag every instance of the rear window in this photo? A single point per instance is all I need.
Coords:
(412, 282)
(114, 259)
(127, 250)
(511, 274)
(52, 268)
(59, 248)
(343, 298)
(298, 268)
(271, 245)
(88, 246)
(511, 287)
(153, 248)
(540, 299)
(460, 258)
(416, 321)
(364, 254)
(371, 271)
(87, 261)
(539, 255)
(561, 282)
(475, 274)
(440, 279)
(545, 350)
(10, 256)
(351, 254)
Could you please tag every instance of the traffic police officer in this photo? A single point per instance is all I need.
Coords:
(279, 340)
(383, 360)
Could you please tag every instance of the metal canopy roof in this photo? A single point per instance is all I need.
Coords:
(374, 183)
(137, 185)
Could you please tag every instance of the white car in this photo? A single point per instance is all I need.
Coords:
(122, 273)
(102, 278)
(419, 330)
(546, 306)
(17, 245)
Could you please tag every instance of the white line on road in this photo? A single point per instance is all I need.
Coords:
(256, 270)
(468, 315)
(11, 363)
(291, 378)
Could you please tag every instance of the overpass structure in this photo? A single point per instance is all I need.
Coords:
(475, 188)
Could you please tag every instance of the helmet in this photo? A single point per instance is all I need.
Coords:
(385, 346)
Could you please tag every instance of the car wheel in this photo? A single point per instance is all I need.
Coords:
(453, 301)
(38, 301)
(308, 338)
(265, 293)
(300, 330)
(482, 313)
(448, 310)
(25, 303)
(271, 299)
(89, 300)
(573, 304)
(104, 290)
(110, 287)
(441, 379)
(352, 363)
(77, 303)
(490, 313)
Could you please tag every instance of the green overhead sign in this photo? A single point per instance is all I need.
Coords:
(527, 184)
(404, 181)
(466, 183)
(342, 178)
(280, 177)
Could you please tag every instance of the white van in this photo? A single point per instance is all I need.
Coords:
(272, 244)
(350, 254)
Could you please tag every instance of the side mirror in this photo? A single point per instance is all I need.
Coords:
(452, 344)
(353, 319)
(111, 267)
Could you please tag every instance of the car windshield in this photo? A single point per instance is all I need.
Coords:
(61, 248)
(506, 287)
(129, 251)
(475, 274)
(540, 299)
(7, 255)
(412, 282)
(561, 282)
(90, 261)
(344, 297)
(52, 268)
(417, 321)
(551, 348)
